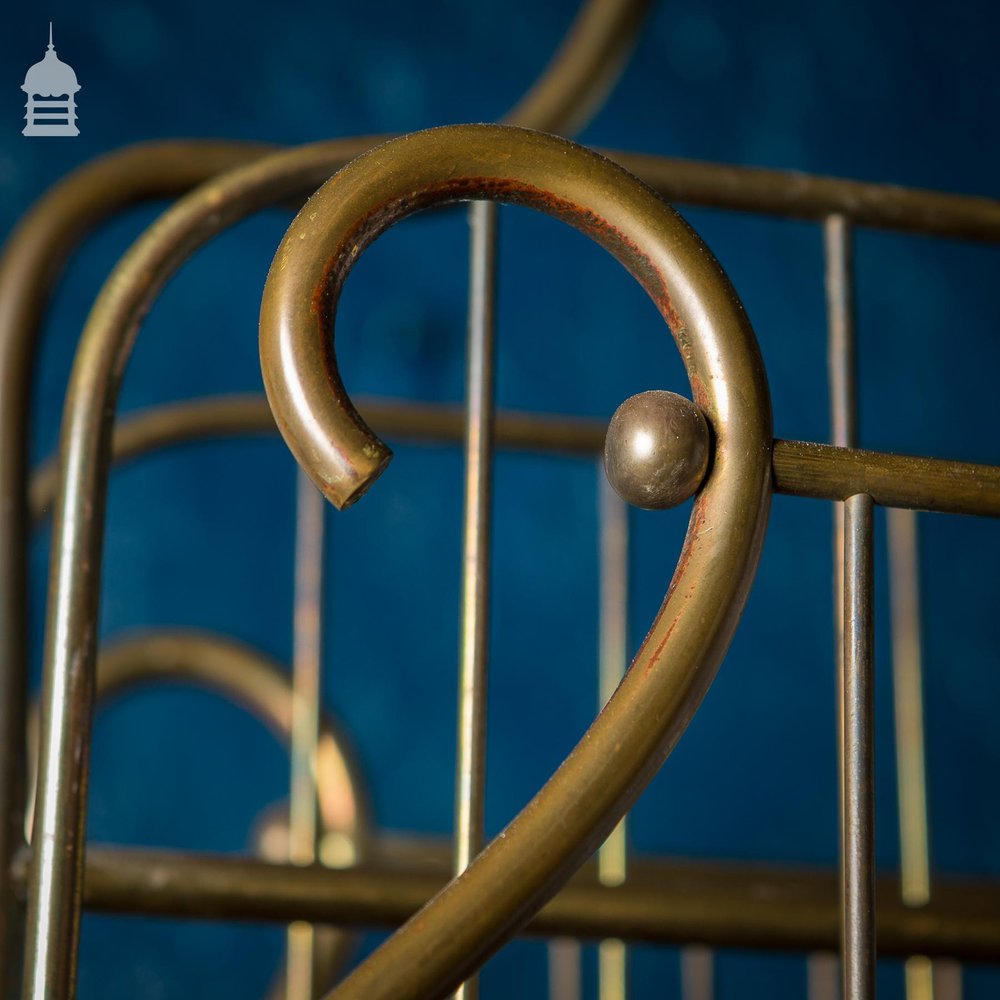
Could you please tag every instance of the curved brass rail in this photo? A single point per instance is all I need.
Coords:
(583, 69)
(55, 874)
(256, 683)
(628, 742)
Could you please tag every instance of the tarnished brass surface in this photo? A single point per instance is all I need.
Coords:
(593, 787)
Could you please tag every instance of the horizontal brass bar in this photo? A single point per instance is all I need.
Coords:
(909, 481)
(800, 468)
(661, 901)
(795, 195)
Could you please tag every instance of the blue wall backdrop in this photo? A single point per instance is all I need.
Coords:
(203, 536)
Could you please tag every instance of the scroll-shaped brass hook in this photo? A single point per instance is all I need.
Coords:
(631, 738)
(262, 688)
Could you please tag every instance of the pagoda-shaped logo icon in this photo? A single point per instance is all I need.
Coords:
(51, 88)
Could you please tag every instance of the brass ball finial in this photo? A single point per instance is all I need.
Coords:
(657, 449)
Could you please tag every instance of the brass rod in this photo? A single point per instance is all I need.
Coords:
(67, 699)
(565, 955)
(697, 973)
(947, 978)
(908, 704)
(613, 535)
(470, 785)
(858, 822)
(33, 257)
(823, 976)
(905, 481)
(838, 255)
(908, 710)
(583, 69)
(307, 653)
(800, 468)
(838, 242)
(663, 901)
(793, 195)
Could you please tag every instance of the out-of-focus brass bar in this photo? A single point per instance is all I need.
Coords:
(612, 864)
(480, 381)
(307, 653)
(697, 973)
(800, 468)
(858, 819)
(911, 767)
(565, 972)
(262, 688)
(947, 977)
(794, 195)
(583, 69)
(838, 255)
(904, 587)
(666, 902)
(823, 976)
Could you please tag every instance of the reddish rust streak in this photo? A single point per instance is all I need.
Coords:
(371, 225)
(654, 659)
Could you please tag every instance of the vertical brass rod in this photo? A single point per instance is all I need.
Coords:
(612, 958)
(838, 255)
(858, 824)
(947, 978)
(565, 973)
(480, 413)
(307, 652)
(697, 973)
(838, 245)
(911, 766)
(907, 671)
(13, 695)
(823, 976)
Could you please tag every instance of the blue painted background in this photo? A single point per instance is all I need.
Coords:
(202, 536)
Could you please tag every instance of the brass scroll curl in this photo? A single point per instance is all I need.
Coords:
(630, 739)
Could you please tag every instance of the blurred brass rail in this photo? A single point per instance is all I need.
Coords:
(790, 194)
(665, 902)
(800, 468)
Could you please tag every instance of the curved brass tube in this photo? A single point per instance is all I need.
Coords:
(79, 523)
(32, 260)
(67, 684)
(256, 683)
(584, 67)
(628, 742)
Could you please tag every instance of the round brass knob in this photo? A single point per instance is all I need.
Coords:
(657, 449)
